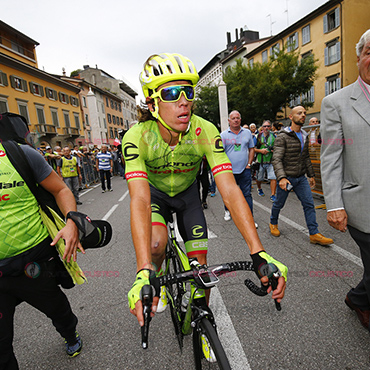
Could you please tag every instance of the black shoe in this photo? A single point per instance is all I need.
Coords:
(204, 204)
(74, 348)
(78, 203)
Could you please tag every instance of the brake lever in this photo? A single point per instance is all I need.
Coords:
(147, 299)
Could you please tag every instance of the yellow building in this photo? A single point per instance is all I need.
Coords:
(330, 33)
(50, 105)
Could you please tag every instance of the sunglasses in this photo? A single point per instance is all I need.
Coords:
(173, 93)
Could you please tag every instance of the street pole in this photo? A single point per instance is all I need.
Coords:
(222, 100)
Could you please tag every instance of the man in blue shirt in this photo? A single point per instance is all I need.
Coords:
(239, 146)
(104, 164)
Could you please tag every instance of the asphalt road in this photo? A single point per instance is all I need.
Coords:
(314, 330)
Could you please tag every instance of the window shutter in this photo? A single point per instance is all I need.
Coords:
(31, 87)
(337, 18)
(326, 88)
(24, 85)
(312, 94)
(296, 40)
(67, 99)
(338, 83)
(325, 20)
(55, 95)
(12, 82)
(41, 90)
(4, 79)
(326, 58)
(337, 51)
(60, 96)
(47, 91)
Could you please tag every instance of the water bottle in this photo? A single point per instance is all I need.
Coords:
(185, 301)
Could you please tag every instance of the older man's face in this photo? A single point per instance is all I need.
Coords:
(363, 62)
(235, 120)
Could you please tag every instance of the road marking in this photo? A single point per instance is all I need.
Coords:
(226, 331)
(109, 213)
(356, 260)
(123, 196)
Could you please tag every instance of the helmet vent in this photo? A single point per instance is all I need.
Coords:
(180, 64)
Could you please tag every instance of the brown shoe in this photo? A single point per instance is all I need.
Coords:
(363, 315)
(274, 230)
(320, 239)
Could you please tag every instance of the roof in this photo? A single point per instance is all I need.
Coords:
(19, 34)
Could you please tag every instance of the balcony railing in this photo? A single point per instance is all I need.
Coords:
(71, 131)
(46, 129)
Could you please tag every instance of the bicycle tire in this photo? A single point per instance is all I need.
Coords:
(207, 329)
(174, 292)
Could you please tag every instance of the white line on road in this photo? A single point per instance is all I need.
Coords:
(226, 331)
(123, 196)
(105, 218)
(356, 260)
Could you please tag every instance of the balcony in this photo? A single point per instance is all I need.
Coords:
(44, 130)
(71, 131)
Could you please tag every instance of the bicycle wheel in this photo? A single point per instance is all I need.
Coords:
(174, 292)
(207, 344)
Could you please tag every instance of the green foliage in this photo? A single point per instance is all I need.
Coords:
(75, 72)
(261, 91)
(206, 104)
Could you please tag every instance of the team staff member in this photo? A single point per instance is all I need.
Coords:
(162, 155)
(104, 164)
(25, 242)
(69, 170)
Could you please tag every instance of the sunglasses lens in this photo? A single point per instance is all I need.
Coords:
(172, 93)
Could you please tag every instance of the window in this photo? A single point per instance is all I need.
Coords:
(121, 121)
(292, 42)
(54, 116)
(111, 133)
(114, 120)
(51, 93)
(264, 56)
(105, 123)
(111, 103)
(331, 20)
(36, 89)
(309, 96)
(306, 35)
(107, 101)
(87, 120)
(40, 115)
(109, 118)
(84, 101)
(274, 49)
(18, 83)
(115, 132)
(332, 84)
(23, 110)
(3, 105)
(332, 52)
(3, 79)
(63, 98)
(115, 105)
(119, 107)
(74, 101)
(66, 119)
(77, 120)
(251, 61)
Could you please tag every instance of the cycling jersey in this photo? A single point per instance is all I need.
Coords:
(147, 156)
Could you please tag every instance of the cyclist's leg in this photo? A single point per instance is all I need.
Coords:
(160, 216)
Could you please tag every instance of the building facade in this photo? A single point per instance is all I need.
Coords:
(51, 106)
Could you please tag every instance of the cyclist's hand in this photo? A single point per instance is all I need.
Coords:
(260, 260)
(135, 304)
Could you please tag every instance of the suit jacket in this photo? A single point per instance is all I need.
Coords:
(345, 154)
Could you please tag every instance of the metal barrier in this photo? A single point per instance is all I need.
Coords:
(88, 171)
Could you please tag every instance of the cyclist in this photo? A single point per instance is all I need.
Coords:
(163, 153)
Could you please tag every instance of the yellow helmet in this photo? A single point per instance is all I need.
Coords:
(166, 67)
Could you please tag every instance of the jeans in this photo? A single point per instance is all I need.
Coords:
(244, 180)
(212, 185)
(303, 191)
(73, 184)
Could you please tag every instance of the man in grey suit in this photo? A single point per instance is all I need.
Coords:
(345, 168)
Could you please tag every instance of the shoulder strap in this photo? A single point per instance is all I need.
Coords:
(20, 162)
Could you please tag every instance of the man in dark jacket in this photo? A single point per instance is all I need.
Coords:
(291, 163)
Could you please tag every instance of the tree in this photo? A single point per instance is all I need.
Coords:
(261, 91)
(206, 104)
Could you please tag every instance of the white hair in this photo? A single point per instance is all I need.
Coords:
(364, 39)
(252, 125)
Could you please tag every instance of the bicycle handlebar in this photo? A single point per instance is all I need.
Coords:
(157, 282)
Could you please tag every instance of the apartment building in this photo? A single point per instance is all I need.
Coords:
(50, 105)
(330, 33)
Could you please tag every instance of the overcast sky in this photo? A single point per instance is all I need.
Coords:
(119, 35)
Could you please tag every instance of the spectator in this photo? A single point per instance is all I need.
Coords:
(345, 169)
(51, 157)
(239, 147)
(264, 151)
(104, 164)
(68, 169)
(115, 160)
(277, 127)
(291, 163)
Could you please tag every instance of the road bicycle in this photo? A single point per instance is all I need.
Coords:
(184, 281)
